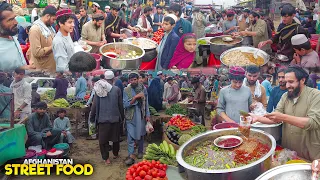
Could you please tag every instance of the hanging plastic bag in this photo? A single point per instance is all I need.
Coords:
(92, 128)
(149, 128)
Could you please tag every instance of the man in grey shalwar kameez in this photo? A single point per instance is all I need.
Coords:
(135, 100)
(62, 44)
(109, 114)
(234, 97)
(39, 128)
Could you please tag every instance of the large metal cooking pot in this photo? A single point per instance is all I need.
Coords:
(113, 63)
(288, 172)
(247, 172)
(218, 49)
(248, 49)
(273, 129)
(150, 52)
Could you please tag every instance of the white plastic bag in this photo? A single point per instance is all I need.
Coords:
(149, 128)
(92, 128)
(259, 109)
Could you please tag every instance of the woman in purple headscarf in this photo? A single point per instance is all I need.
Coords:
(185, 52)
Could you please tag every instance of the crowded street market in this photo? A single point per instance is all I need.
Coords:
(160, 89)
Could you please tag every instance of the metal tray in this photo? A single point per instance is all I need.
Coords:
(248, 49)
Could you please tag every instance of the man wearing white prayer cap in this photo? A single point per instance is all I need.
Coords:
(110, 113)
(63, 5)
(107, 9)
(95, 8)
(304, 55)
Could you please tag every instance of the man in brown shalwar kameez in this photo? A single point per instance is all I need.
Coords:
(41, 36)
(299, 110)
(199, 98)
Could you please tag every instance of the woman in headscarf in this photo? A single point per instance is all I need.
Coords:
(153, 91)
(185, 52)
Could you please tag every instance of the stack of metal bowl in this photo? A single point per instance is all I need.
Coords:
(120, 64)
(246, 172)
(288, 172)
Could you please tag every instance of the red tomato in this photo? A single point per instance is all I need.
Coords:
(154, 174)
(162, 174)
(145, 168)
(142, 174)
(148, 177)
(137, 178)
(139, 169)
(132, 170)
(165, 166)
(135, 166)
(134, 175)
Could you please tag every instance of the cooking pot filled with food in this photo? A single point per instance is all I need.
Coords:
(149, 46)
(121, 55)
(220, 44)
(288, 172)
(244, 56)
(202, 159)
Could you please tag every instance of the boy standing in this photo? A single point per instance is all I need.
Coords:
(35, 97)
(304, 55)
(63, 123)
(168, 44)
(62, 44)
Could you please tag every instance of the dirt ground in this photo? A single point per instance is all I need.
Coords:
(87, 152)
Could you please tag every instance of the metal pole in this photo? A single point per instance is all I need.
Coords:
(12, 111)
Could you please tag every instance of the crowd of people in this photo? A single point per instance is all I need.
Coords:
(119, 103)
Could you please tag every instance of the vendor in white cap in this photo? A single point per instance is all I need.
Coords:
(168, 43)
(304, 55)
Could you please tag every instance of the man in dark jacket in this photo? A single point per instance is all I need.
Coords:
(109, 114)
(61, 84)
(286, 30)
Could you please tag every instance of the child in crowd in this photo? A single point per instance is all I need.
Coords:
(185, 52)
(77, 13)
(168, 44)
(62, 44)
(63, 123)
(35, 97)
(304, 54)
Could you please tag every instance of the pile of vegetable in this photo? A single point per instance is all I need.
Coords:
(153, 111)
(147, 170)
(75, 102)
(173, 133)
(202, 42)
(182, 123)
(176, 109)
(186, 89)
(157, 36)
(48, 96)
(198, 129)
(165, 153)
(61, 103)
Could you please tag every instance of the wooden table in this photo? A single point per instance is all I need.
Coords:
(74, 114)
(162, 118)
